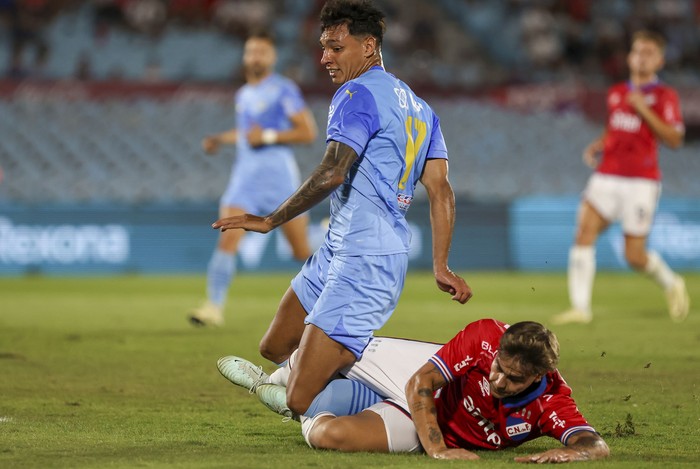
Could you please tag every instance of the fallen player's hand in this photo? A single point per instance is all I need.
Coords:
(452, 283)
(246, 222)
(558, 455)
(455, 453)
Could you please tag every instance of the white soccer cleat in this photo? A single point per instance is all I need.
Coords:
(241, 372)
(678, 300)
(274, 397)
(572, 316)
(208, 314)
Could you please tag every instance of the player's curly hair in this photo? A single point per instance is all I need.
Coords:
(533, 346)
(361, 17)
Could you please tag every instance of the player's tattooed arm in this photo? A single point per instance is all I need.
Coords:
(327, 176)
(421, 403)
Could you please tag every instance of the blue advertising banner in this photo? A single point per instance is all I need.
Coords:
(542, 231)
(80, 239)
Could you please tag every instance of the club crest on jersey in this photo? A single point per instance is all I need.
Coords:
(517, 429)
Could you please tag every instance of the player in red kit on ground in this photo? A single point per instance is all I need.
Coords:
(491, 387)
(626, 184)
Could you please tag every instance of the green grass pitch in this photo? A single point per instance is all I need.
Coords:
(106, 372)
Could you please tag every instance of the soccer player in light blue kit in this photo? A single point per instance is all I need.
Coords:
(381, 140)
(270, 115)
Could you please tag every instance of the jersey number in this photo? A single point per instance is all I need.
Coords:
(412, 146)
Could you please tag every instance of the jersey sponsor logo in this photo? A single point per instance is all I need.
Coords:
(463, 363)
(350, 93)
(625, 121)
(486, 347)
(492, 437)
(614, 99)
(517, 429)
(556, 421)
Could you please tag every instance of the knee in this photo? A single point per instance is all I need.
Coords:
(272, 351)
(327, 435)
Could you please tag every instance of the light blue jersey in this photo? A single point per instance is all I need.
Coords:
(262, 178)
(394, 133)
(351, 285)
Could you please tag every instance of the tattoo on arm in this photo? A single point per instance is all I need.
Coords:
(435, 435)
(327, 176)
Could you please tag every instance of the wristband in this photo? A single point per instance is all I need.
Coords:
(269, 136)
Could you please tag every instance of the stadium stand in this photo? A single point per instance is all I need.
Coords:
(66, 148)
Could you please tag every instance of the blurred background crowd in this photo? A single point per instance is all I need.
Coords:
(441, 43)
(519, 86)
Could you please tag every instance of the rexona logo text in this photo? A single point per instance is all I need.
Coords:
(62, 244)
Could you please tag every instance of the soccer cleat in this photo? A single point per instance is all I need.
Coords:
(678, 300)
(241, 372)
(572, 316)
(274, 397)
(208, 314)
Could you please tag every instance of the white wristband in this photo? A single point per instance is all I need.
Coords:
(269, 136)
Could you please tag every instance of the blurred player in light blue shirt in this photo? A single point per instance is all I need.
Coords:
(270, 115)
(381, 140)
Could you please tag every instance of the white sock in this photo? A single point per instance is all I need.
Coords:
(659, 271)
(281, 375)
(308, 423)
(581, 275)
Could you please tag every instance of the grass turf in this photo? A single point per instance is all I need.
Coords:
(106, 372)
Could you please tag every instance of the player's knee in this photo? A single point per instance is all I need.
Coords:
(328, 435)
(272, 351)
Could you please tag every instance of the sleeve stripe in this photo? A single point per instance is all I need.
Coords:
(444, 369)
(572, 430)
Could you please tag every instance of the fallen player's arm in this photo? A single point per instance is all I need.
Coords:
(581, 446)
(421, 403)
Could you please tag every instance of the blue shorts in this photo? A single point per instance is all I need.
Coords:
(261, 190)
(350, 297)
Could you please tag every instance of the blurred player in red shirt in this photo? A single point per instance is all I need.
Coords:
(626, 184)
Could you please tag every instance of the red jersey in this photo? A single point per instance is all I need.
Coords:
(470, 418)
(630, 147)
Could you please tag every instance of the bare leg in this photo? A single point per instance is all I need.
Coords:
(230, 239)
(296, 233)
(636, 251)
(361, 432)
(286, 329)
(590, 225)
(319, 358)
(581, 269)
